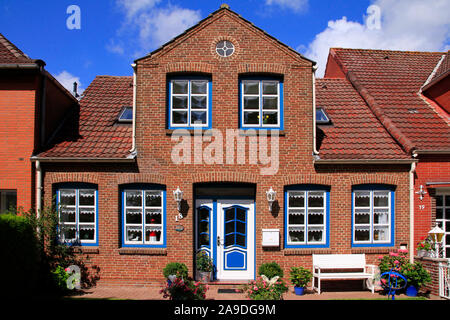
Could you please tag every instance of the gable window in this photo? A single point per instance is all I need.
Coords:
(189, 103)
(143, 217)
(373, 216)
(8, 200)
(261, 102)
(78, 214)
(306, 216)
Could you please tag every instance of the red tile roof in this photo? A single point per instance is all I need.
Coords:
(355, 133)
(10, 54)
(390, 82)
(441, 71)
(99, 136)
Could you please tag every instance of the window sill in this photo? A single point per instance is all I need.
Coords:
(305, 251)
(86, 250)
(242, 132)
(369, 250)
(143, 251)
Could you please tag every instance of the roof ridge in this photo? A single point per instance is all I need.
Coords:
(388, 50)
(12, 48)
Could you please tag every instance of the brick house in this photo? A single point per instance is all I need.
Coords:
(31, 97)
(409, 93)
(225, 113)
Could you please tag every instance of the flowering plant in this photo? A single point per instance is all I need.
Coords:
(300, 276)
(426, 244)
(184, 289)
(264, 289)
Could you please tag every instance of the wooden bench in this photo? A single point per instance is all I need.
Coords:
(341, 267)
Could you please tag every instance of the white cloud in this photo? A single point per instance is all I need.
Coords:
(405, 25)
(133, 7)
(67, 79)
(295, 5)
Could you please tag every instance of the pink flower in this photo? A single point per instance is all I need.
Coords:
(396, 261)
(393, 254)
(380, 257)
(403, 250)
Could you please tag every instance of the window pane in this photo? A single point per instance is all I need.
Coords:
(134, 234)
(179, 117)
(198, 102)
(315, 218)
(381, 198)
(296, 236)
(270, 117)
(229, 240)
(380, 234)
(153, 216)
(180, 87)
(87, 232)
(315, 236)
(241, 214)
(179, 102)
(203, 227)
(198, 87)
(67, 215)
(68, 233)
(198, 117)
(133, 198)
(270, 103)
(203, 214)
(133, 216)
(229, 227)
(381, 217)
(362, 199)
(87, 198)
(440, 201)
(8, 200)
(439, 213)
(87, 215)
(315, 199)
(203, 239)
(251, 103)
(152, 234)
(240, 227)
(251, 117)
(152, 198)
(270, 87)
(362, 234)
(67, 197)
(251, 87)
(362, 218)
(296, 199)
(296, 218)
(240, 240)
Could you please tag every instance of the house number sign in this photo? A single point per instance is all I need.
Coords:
(179, 228)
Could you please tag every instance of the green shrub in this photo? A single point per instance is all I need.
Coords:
(175, 268)
(19, 255)
(270, 270)
(184, 289)
(204, 262)
(261, 289)
(300, 276)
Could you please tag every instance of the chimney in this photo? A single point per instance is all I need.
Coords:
(75, 89)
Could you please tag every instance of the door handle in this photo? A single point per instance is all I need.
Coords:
(218, 241)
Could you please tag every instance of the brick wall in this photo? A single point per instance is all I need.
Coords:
(432, 266)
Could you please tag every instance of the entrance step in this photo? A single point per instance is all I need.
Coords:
(227, 286)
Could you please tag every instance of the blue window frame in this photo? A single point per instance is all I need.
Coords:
(204, 227)
(373, 215)
(190, 102)
(235, 227)
(143, 216)
(261, 103)
(78, 214)
(307, 212)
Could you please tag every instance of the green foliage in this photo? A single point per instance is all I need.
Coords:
(204, 262)
(270, 270)
(300, 276)
(19, 255)
(426, 244)
(60, 277)
(175, 268)
(264, 290)
(184, 289)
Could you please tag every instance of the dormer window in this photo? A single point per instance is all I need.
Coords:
(322, 117)
(189, 103)
(126, 115)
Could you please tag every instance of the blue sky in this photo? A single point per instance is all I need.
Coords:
(113, 33)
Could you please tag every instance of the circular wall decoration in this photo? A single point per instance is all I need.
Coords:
(225, 48)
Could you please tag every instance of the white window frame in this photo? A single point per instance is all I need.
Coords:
(143, 225)
(306, 226)
(260, 110)
(371, 224)
(77, 224)
(189, 94)
(442, 222)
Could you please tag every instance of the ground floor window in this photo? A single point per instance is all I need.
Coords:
(307, 215)
(373, 211)
(443, 220)
(8, 201)
(143, 217)
(77, 208)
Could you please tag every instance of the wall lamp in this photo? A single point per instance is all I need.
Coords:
(271, 195)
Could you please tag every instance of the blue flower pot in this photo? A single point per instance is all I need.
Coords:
(299, 291)
(411, 291)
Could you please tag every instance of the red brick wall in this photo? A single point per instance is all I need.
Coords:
(432, 266)
(431, 168)
(17, 127)
(255, 52)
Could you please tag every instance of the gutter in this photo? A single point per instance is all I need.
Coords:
(411, 211)
(432, 151)
(129, 159)
(361, 161)
(133, 148)
(314, 68)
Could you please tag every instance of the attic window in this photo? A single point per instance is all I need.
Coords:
(126, 115)
(224, 48)
(321, 116)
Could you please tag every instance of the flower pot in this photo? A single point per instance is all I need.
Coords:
(204, 276)
(411, 291)
(299, 291)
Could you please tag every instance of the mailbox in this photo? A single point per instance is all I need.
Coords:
(271, 237)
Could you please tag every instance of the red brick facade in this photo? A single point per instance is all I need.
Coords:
(256, 53)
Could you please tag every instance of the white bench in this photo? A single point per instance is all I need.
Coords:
(341, 267)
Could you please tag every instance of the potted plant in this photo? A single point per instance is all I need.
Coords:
(425, 247)
(205, 267)
(416, 276)
(300, 278)
(175, 270)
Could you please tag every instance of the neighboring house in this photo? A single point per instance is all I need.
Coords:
(343, 187)
(409, 93)
(32, 105)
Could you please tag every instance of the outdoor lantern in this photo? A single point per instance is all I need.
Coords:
(178, 196)
(271, 194)
(421, 192)
(436, 235)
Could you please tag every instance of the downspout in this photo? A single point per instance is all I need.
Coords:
(314, 69)
(133, 148)
(411, 212)
(38, 188)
